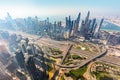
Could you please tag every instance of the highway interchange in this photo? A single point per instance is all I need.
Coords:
(60, 45)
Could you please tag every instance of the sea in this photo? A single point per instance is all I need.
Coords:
(110, 26)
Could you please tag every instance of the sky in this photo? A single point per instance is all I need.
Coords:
(46, 8)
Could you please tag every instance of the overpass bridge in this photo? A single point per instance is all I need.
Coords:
(107, 59)
(84, 62)
(66, 52)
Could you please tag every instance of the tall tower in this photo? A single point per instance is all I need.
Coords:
(69, 23)
(9, 18)
(97, 31)
(20, 59)
(87, 17)
(87, 25)
(78, 19)
(82, 28)
(76, 25)
(100, 25)
(30, 66)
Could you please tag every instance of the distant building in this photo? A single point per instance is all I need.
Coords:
(10, 23)
(66, 35)
(113, 40)
(87, 28)
(82, 38)
(104, 35)
(97, 31)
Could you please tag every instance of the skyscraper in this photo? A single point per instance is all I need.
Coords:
(20, 59)
(97, 31)
(29, 50)
(93, 27)
(23, 46)
(76, 24)
(87, 17)
(100, 25)
(85, 26)
(33, 71)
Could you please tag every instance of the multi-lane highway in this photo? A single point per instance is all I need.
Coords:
(84, 62)
(60, 45)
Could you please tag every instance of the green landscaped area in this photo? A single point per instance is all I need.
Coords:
(68, 62)
(73, 59)
(93, 47)
(55, 51)
(106, 64)
(87, 47)
(49, 66)
(74, 56)
(103, 76)
(77, 73)
(79, 47)
(62, 77)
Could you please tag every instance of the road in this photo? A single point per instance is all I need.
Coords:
(87, 74)
(110, 59)
(60, 45)
(84, 62)
(65, 53)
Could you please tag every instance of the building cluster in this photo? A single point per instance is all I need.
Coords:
(25, 56)
(4, 60)
(110, 38)
(113, 40)
(102, 67)
(88, 28)
(115, 20)
(28, 57)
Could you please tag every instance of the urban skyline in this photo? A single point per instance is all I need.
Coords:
(41, 50)
(59, 40)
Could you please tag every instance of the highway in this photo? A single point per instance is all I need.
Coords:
(66, 52)
(84, 62)
(60, 45)
(110, 59)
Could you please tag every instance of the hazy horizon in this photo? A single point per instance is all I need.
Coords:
(62, 8)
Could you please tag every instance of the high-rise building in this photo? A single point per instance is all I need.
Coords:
(76, 25)
(85, 25)
(100, 24)
(29, 50)
(93, 26)
(66, 23)
(87, 17)
(97, 31)
(78, 19)
(82, 29)
(33, 71)
(20, 59)
(32, 46)
(36, 24)
(23, 48)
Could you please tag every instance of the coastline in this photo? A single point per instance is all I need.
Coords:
(113, 23)
(109, 30)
